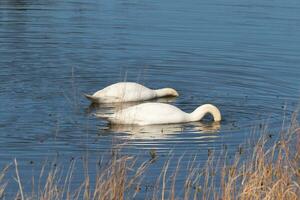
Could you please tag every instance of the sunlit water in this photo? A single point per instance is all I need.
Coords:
(242, 56)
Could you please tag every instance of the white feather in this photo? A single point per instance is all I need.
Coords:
(160, 113)
(128, 92)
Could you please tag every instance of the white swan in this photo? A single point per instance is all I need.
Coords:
(159, 113)
(127, 92)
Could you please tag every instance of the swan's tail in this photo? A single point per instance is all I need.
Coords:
(103, 116)
(107, 117)
(91, 98)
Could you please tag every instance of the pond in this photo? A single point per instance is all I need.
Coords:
(242, 56)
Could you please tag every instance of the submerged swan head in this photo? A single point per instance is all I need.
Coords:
(164, 92)
(201, 111)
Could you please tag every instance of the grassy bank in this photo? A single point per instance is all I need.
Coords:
(266, 171)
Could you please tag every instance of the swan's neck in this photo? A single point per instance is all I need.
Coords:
(201, 111)
(166, 92)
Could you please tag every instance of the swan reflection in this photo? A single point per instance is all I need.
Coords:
(203, 127)
(165, 130)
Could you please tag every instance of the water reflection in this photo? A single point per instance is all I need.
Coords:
(205, 127)
(165, 131)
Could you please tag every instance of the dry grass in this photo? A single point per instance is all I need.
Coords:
(270, 171)
(3, 183)
(111, 181)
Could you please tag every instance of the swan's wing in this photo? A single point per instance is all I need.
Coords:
(110, 99)
(150, 113)
(126, 92)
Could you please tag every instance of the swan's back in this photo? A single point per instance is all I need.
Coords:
(125, 91)
(149, 113)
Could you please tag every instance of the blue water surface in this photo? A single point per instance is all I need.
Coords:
(243, 56)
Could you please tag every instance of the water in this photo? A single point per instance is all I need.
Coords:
(239, 55)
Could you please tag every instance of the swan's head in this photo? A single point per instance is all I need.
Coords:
(201, 111)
